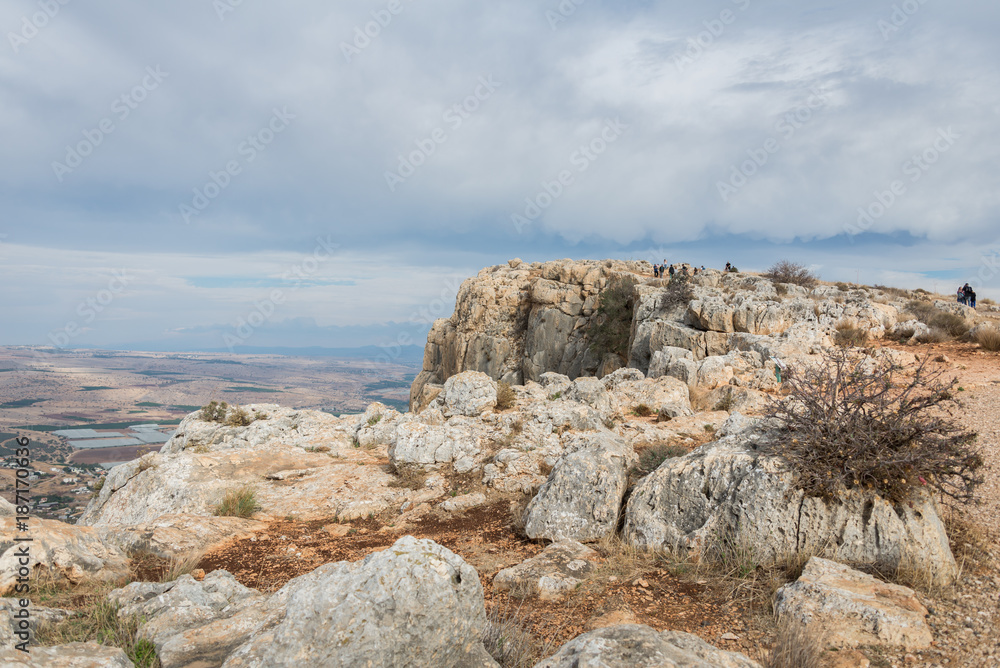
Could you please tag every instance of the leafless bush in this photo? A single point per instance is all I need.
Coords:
(858, 423)
(508, 640)
(989, 339)
(791, 272)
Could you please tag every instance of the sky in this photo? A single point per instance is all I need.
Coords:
(226, 173)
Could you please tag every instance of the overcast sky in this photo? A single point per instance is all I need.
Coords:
(170, 169)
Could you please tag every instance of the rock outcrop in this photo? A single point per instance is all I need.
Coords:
(639, 646)
(551, 574)
(73, 655)
(846, 608)
(728, 494)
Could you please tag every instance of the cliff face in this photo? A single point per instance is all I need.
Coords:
(516, 321)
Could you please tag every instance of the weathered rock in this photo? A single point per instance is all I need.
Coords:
(661, 360)
(429, 445)
(11, 626)
(551, 574)
(733, 398)
(728, 491)
(62, 551)
(171, 536)
(464, 502)
(591, 391)
(713, 372)
(847, 608)
(666, 395)
(7, 509)
(73, 655)
(581, 498)
(470, 393)
(712, 313)
(639, 646)
(415, 604)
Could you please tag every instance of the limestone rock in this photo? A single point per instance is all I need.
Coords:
(727, 490)
(429, 445)
(10, 626)
(470, 393)
(63, 551)
(171, 536)
(551, 574)
(581, 498)
(661, 360)
(458, 504)
(73, 655)
(7, 509)
(639, 646)
(415, 604)
(847, 608)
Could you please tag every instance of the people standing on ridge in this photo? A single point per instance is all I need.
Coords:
(972, 298)
(961, 295)
(729, 267)
(967, 293)
(656, 271)
(672, 271)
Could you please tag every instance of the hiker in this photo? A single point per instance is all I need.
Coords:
(672, 271)
(967, 291)
(729, 267)
(973, 304)
(656, 271)
(961, 295)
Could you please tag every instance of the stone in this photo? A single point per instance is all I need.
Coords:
(729, 490)
(592, 392)
(414, 604)
(73, 655)
(848, 608)
(661, 360)
(582, 496)
(65, 552)
(463, 502)
(551, 574)
(639, 646)
(179, 535)
(11, 626)
(430, 445)
(713, 372)
(470, 393)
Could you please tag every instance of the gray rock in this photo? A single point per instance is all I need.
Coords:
(581, 499)
(430, 445)
(550, 574)
(662, 359)
(639, 646)
(727, 492)
(73, 655)
(470, 393)
(10, 626)
(591, 391)
(847, 608)
(415, 604)
(713, 372)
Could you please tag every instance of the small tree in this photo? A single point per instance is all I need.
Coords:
(855, 422)
(791, 272)
(612, 324)
(678, 293)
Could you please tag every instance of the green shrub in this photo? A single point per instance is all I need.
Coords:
(611, 325)
(791, 272)
(858, 423)
(238, 502)
(214, 411)
(678, 293)
(505, 396)
(238, 417)
(374, 420)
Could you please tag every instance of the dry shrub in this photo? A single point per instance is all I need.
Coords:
(622, 561)
(894, 292)
(238, 417)
(678, 293)
(849, 334)
(508, 640)
(795, 647)
(238, 502)
(954, 326)
(408, 476)
(179, 566)
(854, 422)
(214, 411)
(785, 271)
(651, 458)
(934, 336)
(100, 622)
(505, 396)
(989, 339)
(642, 410)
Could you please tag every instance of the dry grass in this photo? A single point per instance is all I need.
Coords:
(642, 410)
(505, 396)
(179, 566)
(101, 623)
(238, 502)
(850, 334)
(795, 647)
(651, 458)
(408, 476)
(989, 339)
(508, 640)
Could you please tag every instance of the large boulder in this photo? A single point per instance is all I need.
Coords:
(431, 445)
(847, 608)
(415, 604)
(639, 646)
(730, 493)
(73, 655)
(583, 494)
(551, 574)
(470, 393)
(63, 552)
